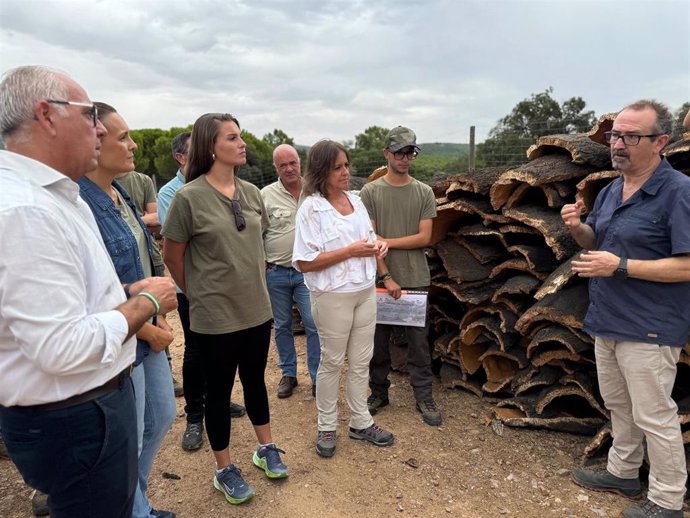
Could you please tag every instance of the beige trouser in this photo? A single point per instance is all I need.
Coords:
(635, 380)
(346, 323)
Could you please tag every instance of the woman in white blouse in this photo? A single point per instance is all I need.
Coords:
(336, 249)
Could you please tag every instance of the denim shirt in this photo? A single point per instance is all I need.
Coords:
(118, 238)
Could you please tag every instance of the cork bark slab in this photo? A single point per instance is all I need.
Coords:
(549, 223)
(580, 148)
(604, 124)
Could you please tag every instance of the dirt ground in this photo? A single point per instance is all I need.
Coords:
(462, 468)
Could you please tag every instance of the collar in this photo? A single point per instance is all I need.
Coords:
(320, 203)
(179, 176)
(40, 174)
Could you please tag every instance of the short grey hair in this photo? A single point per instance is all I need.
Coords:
(664, 119)
(179, 143)
(20, 88)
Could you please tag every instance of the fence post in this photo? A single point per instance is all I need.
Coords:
(470, 161)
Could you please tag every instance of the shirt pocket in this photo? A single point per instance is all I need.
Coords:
(280, 218)
(119, 249)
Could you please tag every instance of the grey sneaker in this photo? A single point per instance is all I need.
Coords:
(193, 436)
(430, 414)
(374, 434)
(650, 510)
(375, 403)
(605, 481)
(325, 443)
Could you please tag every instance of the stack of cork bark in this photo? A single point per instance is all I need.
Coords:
(506, 310)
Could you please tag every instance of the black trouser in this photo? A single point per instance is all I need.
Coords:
(418, 359)
(223, 356)
(193, 381)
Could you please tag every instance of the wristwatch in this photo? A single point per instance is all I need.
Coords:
(621, 272)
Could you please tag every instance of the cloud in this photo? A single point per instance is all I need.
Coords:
(316, 69)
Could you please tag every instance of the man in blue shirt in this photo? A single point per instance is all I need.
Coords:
(193, 382)
(637, 239)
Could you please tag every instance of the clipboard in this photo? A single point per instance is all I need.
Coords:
(408, 310)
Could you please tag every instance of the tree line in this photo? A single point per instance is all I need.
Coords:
(508, 140)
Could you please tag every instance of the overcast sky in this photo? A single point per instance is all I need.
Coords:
(332, 68)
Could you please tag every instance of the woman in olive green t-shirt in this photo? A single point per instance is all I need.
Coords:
(214, 250)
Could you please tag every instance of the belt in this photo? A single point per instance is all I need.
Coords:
(112, 384)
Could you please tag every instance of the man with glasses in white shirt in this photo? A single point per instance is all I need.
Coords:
(67, 328)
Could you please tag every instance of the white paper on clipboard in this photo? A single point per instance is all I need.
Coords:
(408, 310)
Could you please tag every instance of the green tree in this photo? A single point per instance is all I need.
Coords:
(259, 167)
(145, 154)
(530, 119)
(367, 154)
(277, 137)
(373, 138)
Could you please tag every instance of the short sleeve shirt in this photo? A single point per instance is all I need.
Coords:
(224, 268)
(281, 207)
(654, 223)
(397, 212)
(140, 188)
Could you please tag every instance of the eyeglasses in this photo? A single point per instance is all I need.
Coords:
(399, 155)
(93, 112)
(629, 140)
(240, 223)
(292, 163)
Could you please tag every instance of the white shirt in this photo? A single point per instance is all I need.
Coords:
(59, 333)
(320, 228)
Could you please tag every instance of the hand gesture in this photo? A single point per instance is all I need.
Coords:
(362, 248)
(571, 214)
(382, 249)
(163, 288)
(393, 288)
(597, 263)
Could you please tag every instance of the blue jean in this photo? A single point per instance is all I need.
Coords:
(284, 285)
(84, 456)
(155, 405)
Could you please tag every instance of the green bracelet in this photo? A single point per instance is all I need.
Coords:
(385, 276)
(154, 300)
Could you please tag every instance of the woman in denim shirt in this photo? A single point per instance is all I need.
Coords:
(129, 245)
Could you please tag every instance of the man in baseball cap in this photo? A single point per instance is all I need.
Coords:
(401, 137)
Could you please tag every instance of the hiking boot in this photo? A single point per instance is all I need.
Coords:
(177, 387)
(325, 443)
(376, 402)
(237, 410)
(374, 434)
(286, 386)
(268, 458)
(649, 509)
(160, 513)
(39, 503)
(430, 414)
(230, 482)
(605, 481)
(193, 436)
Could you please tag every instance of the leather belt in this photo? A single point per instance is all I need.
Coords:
(112, 384)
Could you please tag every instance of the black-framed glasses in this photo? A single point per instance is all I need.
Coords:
(399, 155)
(240, 222)
(93, 109)
(629, 140)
